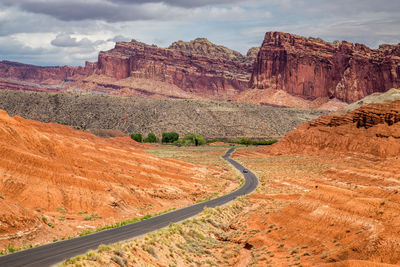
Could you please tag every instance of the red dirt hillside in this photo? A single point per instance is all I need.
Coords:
(371, 129)
(56, 181)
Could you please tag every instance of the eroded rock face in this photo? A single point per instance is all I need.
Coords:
(20, 76)
(371, 129)
(202, 46)
(193, 72)
(312, 68)
(252, 53)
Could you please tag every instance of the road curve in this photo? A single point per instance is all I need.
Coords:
(53, 253)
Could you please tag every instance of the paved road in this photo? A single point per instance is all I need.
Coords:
(50, 254)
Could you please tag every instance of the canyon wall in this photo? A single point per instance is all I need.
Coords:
(199, 67)
(312, 68)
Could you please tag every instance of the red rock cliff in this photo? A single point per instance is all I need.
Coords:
(189, 71)
(312, 68)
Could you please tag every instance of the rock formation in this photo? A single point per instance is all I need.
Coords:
(18, 76)
(253, 53)
(312, 68)
(202, 46)
(198, 67)
(372, 129)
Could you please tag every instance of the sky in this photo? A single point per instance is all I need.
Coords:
(55, 32)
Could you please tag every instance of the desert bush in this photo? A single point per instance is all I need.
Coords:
(169, 137)
(137, 137)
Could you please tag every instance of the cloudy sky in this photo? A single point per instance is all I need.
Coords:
(55, 32)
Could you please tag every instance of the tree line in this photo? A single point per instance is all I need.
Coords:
(194, 139)
(171, 138)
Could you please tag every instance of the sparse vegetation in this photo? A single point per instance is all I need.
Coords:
(92, 217)
(72, 108)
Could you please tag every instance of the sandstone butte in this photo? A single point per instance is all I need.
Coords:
(56, 181)
(200, 67)
(312, 68)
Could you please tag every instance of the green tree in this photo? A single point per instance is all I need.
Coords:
(194, 139)
(137, 137)
(151, 138)
(169, 137)
(244, 141)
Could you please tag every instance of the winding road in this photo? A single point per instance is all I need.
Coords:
(53, 253)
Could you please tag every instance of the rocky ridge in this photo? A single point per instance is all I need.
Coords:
(202, 46)
(18, 76)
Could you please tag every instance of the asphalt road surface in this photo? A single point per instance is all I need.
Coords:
(53, 253)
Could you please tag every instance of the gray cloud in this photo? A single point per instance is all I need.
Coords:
(182, 3)
(119, 38)
(65, 40)
(110, 10)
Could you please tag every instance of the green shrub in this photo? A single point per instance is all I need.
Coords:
(263, 142)
(169, 137)
(137, 137)
(193, 139)
(244, 141)
(151, 138)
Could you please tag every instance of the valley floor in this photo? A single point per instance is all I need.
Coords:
(338, 210)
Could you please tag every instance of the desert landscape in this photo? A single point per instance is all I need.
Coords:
(127, 138)
(324, 200)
